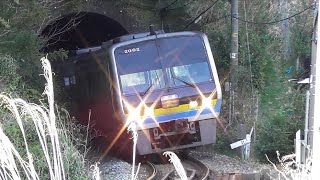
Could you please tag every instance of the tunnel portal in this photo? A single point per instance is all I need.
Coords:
(80, 30)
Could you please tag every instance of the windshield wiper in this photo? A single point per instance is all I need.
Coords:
(150, 86)
(183, 81)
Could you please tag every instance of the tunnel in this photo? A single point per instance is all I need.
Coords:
(80, 30)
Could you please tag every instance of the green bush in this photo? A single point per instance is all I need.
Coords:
(9, 77)
(277, 133)
(223, 142)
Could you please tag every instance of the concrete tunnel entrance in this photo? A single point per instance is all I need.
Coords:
(80, 87)
(73, 32)
(80, 30)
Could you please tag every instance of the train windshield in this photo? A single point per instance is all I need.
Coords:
(144, 66)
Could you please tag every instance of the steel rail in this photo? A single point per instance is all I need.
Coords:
(154, 170)
(198, 170)
(202, 166)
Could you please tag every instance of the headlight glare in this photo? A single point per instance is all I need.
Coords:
(134, 114)
(148, 111)
(193, 104)
(206, 102)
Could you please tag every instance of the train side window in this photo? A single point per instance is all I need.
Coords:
(69, 80)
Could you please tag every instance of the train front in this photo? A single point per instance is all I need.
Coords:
(168, 84)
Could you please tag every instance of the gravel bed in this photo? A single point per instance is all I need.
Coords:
(113, 168)
(221, 164)
(143, 172)
(224, 164)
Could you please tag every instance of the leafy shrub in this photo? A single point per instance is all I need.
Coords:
(276, 133)
(8, 73)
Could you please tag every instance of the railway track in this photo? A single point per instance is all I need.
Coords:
(152, 169)
(195, 170)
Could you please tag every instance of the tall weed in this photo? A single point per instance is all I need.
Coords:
(32, 144)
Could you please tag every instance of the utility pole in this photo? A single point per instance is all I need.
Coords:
(234, 59)
(315, 100)
(285, 28)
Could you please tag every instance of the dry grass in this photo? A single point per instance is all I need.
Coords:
(33, 145)
(289, 169)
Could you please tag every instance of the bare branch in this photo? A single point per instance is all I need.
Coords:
(275, 167)
(55, 31)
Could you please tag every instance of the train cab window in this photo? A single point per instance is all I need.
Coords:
(195, 73)
(143, 66)
(140, 81)
(139, 67)
(186, 59)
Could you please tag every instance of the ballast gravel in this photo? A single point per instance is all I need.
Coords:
(113, 168)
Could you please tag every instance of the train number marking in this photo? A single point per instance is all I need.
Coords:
(132, 50)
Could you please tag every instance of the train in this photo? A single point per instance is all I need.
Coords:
(165, 82)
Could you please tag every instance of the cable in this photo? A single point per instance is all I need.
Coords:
(222, 17)
(273, 22)
(201, 14)
(171, 4)
(214, 20)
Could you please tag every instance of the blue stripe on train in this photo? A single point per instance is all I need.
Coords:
(180, 115)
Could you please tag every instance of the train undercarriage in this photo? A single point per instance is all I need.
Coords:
(177, 134)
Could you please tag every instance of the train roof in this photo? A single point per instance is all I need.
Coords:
(116, 40)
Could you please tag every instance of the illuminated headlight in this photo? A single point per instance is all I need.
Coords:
(206, 102)
(134, 114)
(148, 111)
(193, 104)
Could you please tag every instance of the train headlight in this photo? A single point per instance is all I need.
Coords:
(193, 104)
(134, 114)
(206, 102)
(148, 111)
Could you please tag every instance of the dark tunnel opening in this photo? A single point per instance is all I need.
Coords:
(80, 30)
(83, 84)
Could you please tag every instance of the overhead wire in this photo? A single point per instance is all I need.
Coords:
(253, 22)
(172, 3)
(277, 21)
(243, 20)
(214, 20)
(186, 4)
(211, 6)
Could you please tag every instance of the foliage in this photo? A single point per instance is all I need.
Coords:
(21, 43)
(8, 73)
(222, 145)
(220, 49)
(276, 134)
(262, 70)
(291, 169)
(29, 130)
(20, 25)
(281, 105)
(60, 54)
(74, 162)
